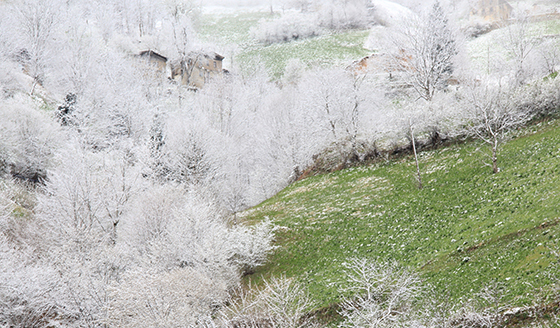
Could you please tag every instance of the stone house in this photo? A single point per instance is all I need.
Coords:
(194, 72)
(492, 10)
(197, 69)
(157, 60)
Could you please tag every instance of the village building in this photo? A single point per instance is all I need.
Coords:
(492, 11)
(194, 72)
(197, 69)
(157, 60)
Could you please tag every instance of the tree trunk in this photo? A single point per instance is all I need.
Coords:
(495, 157)
(33, 86)
(435, 138)
(419, 177)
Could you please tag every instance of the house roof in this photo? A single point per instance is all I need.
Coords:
(153, 54)
(199, 54)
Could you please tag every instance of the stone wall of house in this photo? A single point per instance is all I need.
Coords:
(492, 10)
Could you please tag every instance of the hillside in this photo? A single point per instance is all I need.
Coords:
(132, 164)
(467, 229)
(231, 31)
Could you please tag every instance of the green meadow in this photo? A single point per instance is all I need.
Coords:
(465, 230)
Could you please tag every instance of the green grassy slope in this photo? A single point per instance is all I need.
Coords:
(466, 229)
(332, 49)
(336, 49)
(488, 52)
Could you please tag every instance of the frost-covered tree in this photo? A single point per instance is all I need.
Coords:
(328, 96)
(36, 22)
(28, 139)
(100, 231)
(135, 17)
(302, 5)
(185, 149)
(521, 41)
(411, 135)
(343, 14)
(182, 296)
(107, 117)
(77, 65)
(31, 293)
(490, 115)
(288, 27)
(423, 51)
(384, 295)
(549, 53)
(280, 302)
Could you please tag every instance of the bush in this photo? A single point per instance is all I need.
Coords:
(289, 27)
(342, 15)
(182, 297)
(385, 295)
(28, 138)
(281, 302)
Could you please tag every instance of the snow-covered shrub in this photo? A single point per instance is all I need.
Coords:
(327, 15)
(290, 26)
(432, 121)
(182, 297)
(280, 302)
(171, 228)
(384, 295)
(182, 231)
(549, 55)
(344, 14)
(30, 293)
(251, 245)
(28, 138)
(293, 71)
(477, 29)
(9, 85)
(541, 98)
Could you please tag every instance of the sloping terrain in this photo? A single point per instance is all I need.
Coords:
(232, 32)
(465, 230)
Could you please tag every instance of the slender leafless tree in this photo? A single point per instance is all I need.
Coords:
(423, 52)
(490, 115)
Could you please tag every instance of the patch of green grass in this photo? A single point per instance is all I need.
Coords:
(466, 229)
(489, 51)
(229, 28)
(324, 51)
(328, 50)
(550, 76)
